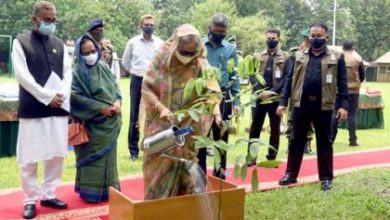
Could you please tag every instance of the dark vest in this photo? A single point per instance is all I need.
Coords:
(43, 55)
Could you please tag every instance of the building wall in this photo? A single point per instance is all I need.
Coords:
(383, 74)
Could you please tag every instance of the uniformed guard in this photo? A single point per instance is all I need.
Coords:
(274, 66)
(355, 75)
(318, 74)
(303, 46)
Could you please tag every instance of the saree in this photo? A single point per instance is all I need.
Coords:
(94, 88)
(163, 84)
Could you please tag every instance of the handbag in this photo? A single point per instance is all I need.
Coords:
(77, 134)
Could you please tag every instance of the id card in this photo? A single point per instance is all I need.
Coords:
(329, 78)
(278, 74)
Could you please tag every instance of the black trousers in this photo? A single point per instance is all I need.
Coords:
(226, 111)
(258, 116)
(352, 109)
(135, 99)
(302, 118)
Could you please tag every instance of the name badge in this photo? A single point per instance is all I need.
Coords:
(329, 78)
(278, 74)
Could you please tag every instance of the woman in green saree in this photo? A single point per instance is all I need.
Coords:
(179, 60)
(95, 101)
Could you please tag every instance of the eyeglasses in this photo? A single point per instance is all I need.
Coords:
(188, 53)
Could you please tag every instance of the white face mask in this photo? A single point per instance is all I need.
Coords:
(183, 59)
(91, 59)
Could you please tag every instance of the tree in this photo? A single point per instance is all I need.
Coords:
(250, 32)
(172, 14)
(372, 27)
(202, 12)
(294, 21)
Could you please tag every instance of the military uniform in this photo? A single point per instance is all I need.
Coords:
(355, 75)
(312, 86)
(273, 68)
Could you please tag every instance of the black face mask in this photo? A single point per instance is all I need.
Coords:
(148, 30)
(271, 44)
(317, 43)
(216, 37)
(98, 36)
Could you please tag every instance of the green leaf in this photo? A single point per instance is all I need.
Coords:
(202, 138)
(223, 145)
(194, 115)
(254, 149)
(260, 79)
(230, 66)
(189, 89)
(217, 73)
(239, 159)
(269, 163)
(244, 171)
(199, 86)
(241, 140)
(254, 180)
(199, 144)
(237, 170)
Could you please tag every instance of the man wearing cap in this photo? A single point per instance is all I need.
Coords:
(96, 30)
(43, 71)
(138, 54)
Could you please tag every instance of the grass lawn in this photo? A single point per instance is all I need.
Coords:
(363, 195)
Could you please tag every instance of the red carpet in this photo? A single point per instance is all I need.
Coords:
(11, 202)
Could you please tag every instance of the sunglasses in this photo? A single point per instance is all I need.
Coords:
(188, 53)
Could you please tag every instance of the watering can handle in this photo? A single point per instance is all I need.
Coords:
(184, 131)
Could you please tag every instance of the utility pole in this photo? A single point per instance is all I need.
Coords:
(334, 22)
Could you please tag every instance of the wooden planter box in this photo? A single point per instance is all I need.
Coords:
(228, 203)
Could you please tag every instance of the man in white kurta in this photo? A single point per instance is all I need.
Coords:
(42, 138)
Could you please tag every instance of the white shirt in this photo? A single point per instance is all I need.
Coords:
(139, 53)
(42, 138)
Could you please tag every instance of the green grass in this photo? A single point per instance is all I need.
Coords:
(360, 195)
(357, 196)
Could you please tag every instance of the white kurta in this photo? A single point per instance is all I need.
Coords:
(42, 138)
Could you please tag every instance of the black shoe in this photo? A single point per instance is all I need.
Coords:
(251, 163)
(354, 144)
(307, 150)
(29, 211)
(54, 203)
(134, 157)
(287, 180)
(269, 157)
(326, 185)
(209, 152)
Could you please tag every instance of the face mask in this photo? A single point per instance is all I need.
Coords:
(217, 38)
(98, 36)
(271, 44)
(46, 28)
(91, 59)
(183, 59)
(317, 43)
(148, 30)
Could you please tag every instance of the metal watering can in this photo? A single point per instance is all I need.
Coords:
(160, 143)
